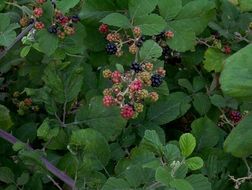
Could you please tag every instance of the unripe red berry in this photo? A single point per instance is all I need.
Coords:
(103, 28)
(169, 34)
(235, 116)
(116, 77)
(28, 101)
(108, 101)
(153, 96)
(39, 25)
(24, 21)
(137, 31)
(136, 85)
(40, 1)
(127, 112)
(227, 49)
(38, 12)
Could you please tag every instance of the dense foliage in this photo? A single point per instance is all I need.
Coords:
(126, 94)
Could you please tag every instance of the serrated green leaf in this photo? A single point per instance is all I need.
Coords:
(106, 121)
(165, 111)
(169, 8)
(150, 24)
(117, 19)
(6, 175)
(206, 132)
(194, 163)
(181, 184)
(201, 103)
(92, 143)
(239, 141)
(184, 38)
(5, 119)
(116, 183)
(150, 51)
(23, 179)
(214, 60)
(245, 5)
(171, 153)
(187, 144)
(141, 7)
(48, 43)
(199, 182)
(238, 67)
(66, 5)
(152, 142)
(163, 175)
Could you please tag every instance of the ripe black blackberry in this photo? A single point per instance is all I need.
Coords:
(53, 29)
(111, 48)
(75, 18)
(156, 80)
(159, 37)
(136, 67)
(140, 41)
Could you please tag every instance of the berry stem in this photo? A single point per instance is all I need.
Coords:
(50, 167)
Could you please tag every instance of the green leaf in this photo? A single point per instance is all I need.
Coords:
(6, 175)
(4, 22)
(23, 179)
(150, 24)
(169, 9)
(24, 52)
(201, 103)
(239, 141)
(195, 8)
(69, 164)
(181, 184)
(199, 182)
(245, 5)
(106, 121)
(66, 5)
(206, 132)
(214, 59)
(97, 9)
(116, 184)
(11, 187)
(150, 51)
(171, 152)
(186, 84)
(165, 111)
(187, 144)
(6, 38)
(92, 143)
(5, 119)
(48, 43)
(184, 38)
(194, 163)
(141, 7)
(117, 19)
(48, 129)
(163, 175)
(152, 142)
(236, 77)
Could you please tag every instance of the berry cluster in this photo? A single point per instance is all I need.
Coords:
(24, 105)
(235, 116)
(62, 25)
(129, 88)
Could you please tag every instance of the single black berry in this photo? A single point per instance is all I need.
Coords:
(136, 67)
(159, 37)
(53, 29)
(31, 21)
(156, 80)
(75, 18)
(111, 48)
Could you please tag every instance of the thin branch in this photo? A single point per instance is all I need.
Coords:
(50, 167)
(18, 38)
(54, 182)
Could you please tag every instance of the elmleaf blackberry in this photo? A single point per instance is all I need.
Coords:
(75, 18)
(156, 80)
(111, 48)
(140, 41)
(136, 67)
(53, 29)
